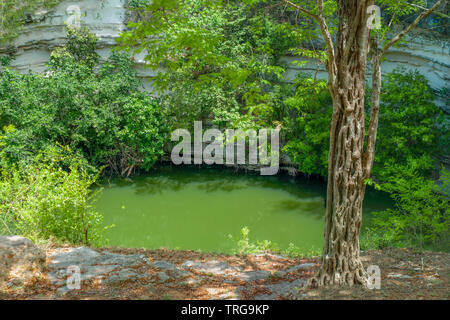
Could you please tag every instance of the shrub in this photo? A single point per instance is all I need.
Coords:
(98, 111)
(42, 200)
(244, 246)
(420, 217)
(408, 124)
(308, 134)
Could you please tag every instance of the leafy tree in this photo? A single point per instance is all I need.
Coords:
(349, 163)
(218, 63)
(99, 111)
(350, 41)
(307, 134)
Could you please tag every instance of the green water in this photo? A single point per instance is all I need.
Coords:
(197, 209)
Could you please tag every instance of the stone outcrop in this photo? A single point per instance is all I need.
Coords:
(20, 259)
(113, 269)
(93, 265)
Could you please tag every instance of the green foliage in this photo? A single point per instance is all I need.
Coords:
(50, 198)
(99, 112)
(13, 14)
(410, 140)
(244, 246)
(102, 115)
(220, 61)
(408, 123)
(420, 217)
(295, 252)
(308, 132)
(79, 48)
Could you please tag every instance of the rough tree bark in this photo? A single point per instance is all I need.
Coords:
(341, 263)
(349, 165)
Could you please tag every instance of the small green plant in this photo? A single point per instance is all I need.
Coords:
(295, 252)
(245, 246)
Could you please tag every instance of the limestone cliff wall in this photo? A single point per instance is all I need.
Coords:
(430, 53)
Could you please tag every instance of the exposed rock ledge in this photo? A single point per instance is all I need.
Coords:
(150, 274)
(171, 274)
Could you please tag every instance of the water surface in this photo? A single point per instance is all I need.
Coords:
(197, 209)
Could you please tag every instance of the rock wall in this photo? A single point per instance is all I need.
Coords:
(429, 53)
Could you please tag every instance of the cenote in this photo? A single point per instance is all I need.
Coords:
(194, 208)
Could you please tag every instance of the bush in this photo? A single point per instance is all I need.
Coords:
(99, 112)
(408, 124)
(42, 200)
(420, 217)
(308, 134)
(244, 246)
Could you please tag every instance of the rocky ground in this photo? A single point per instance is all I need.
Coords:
(31, 272)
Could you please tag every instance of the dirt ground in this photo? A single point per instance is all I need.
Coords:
(405, 274)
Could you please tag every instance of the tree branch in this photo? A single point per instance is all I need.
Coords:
(326, 35)
(309, 13)
(362, 6)
(438, 13)
(375, 108)
(422, 16)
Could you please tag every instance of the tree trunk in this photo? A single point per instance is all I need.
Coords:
(348, 164)
(341, 262)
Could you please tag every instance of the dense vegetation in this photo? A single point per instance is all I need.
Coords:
(101, 115)
(235, 81)
(50, 198)
(14, 13)
(95, 110)
(60, 129)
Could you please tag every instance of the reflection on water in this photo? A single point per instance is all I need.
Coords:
(307, 205)
(191, 208)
